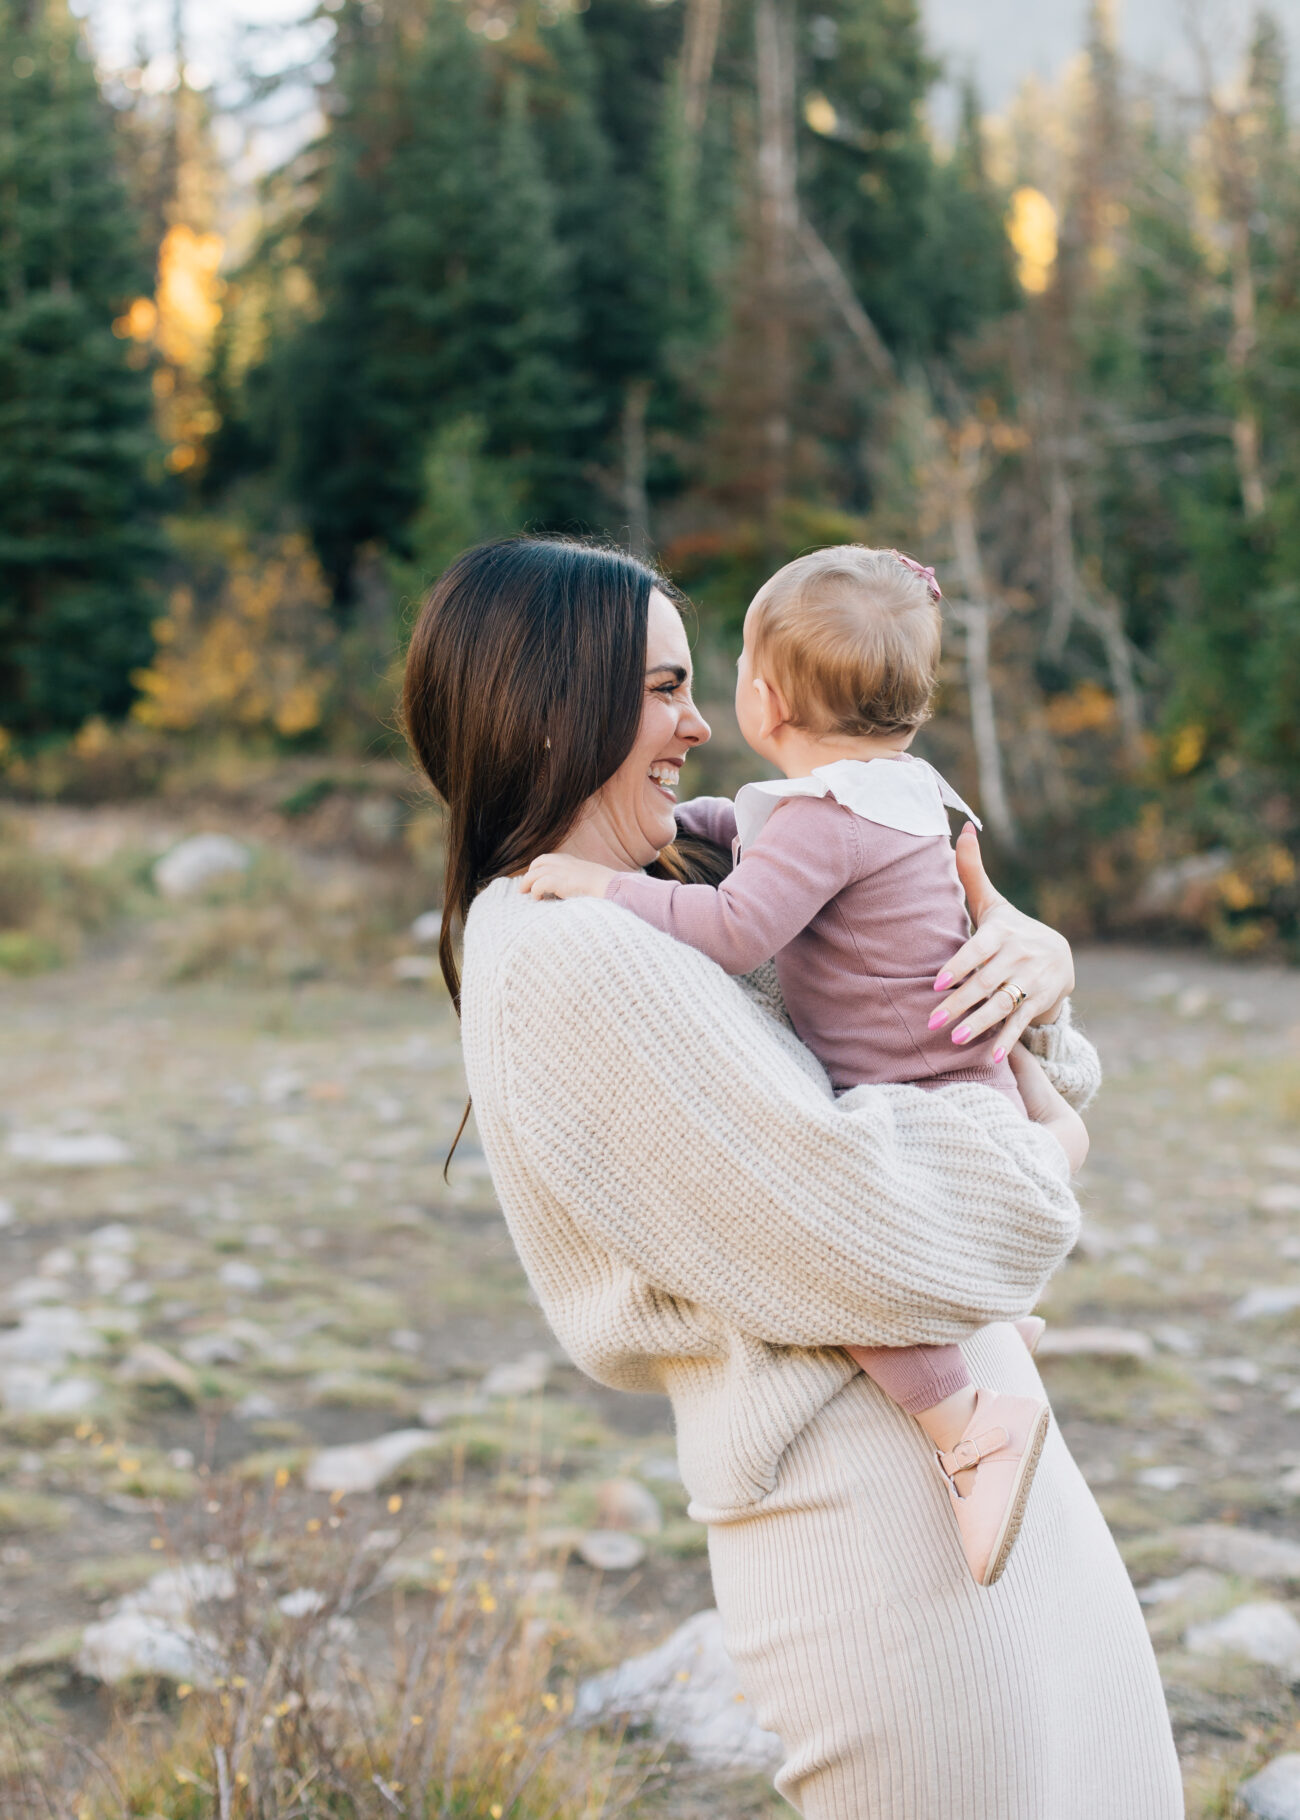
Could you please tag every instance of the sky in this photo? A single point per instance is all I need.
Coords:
(998, 42)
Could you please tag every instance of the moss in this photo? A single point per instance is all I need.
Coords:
(26, 1510)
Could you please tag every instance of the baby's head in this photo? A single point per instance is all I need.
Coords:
(846, 640)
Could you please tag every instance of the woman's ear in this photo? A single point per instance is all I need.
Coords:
(772, 711)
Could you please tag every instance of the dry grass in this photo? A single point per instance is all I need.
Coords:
(326, 1690)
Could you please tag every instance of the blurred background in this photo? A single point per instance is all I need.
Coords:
(295, 303)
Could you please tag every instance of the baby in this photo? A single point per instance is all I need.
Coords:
(844, 872)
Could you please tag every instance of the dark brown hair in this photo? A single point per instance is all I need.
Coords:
(523, 694)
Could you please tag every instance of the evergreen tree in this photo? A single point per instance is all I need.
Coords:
(440, 288)
(75, 536)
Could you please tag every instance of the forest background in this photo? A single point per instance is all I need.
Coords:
(702, 280)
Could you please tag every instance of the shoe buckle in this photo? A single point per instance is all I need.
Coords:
(971, 1449)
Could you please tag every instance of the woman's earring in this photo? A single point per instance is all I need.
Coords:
(546, 744)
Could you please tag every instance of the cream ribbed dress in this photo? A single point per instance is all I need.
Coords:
(699, 1215)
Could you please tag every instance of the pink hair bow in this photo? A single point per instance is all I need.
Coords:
(927, 575)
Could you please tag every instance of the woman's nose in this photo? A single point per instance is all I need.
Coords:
(693, 727)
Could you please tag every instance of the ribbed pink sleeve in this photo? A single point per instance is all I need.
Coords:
(709, 818)
(805, 856)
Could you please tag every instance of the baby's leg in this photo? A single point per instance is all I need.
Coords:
(932, 1383)
(987, 1444)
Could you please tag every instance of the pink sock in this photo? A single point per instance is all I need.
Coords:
(914, 1377)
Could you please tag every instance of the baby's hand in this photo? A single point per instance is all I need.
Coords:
(557, 875)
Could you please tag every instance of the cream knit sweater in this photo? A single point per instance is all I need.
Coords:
(699, 1215)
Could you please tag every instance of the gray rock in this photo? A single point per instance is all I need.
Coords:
(237, 1273)
(1268, 1301)
(152, 1632)
(197, 861)
(68, 1149)
(518, 1377)
(109, 1271)
(1095, 1342)
(625, 1504)
(1246, 1552)
(427, 927)
(256, 1407)
(204, 1349)
(686, 1691)
(611, 1551)
(414, 969)
(130, 1644)
(1196, 1583)
(365, 1466)
(1163, 1478)
(50, 1336)
(176, 1591)
(1263, 1632)
(30, 1391)
(1279, 1197)
(1274, 1794)
(1176, 1339)
(114, 1237)
(302, 1602)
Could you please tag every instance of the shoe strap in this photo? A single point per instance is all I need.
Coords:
(971, 1449)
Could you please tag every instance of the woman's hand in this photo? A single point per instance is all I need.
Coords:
(1007, 950)
(559, 875)
(1046, 1108)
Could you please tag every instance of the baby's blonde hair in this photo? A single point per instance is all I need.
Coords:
(849, 637)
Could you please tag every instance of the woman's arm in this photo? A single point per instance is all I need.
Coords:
(701, 1147)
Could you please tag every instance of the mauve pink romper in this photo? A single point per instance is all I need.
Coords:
(859, 918)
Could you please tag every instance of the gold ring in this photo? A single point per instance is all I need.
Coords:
(1016, 994)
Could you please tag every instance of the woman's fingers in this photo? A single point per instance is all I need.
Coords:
(981, 947)
(975, 881)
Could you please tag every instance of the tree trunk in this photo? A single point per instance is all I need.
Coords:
(636, 501)
(699, 51)
(976, 615)
(778, 224)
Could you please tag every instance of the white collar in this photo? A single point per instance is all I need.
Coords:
(904, 793)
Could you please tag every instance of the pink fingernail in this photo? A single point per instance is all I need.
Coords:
(941, 984)
(938, 1019)
(963, 1035)
(999, 1055)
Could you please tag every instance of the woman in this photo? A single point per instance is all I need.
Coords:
(699, 1215)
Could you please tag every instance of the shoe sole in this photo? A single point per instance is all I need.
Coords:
(1006, 1541)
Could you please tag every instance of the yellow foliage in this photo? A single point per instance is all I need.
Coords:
(1086, 709)
(1031, 229)
(249, 652)
(820, 115)
(189, 294)
(1187, 749)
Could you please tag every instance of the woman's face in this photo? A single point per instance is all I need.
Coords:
(631, 817)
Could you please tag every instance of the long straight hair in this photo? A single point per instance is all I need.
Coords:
(523, 695)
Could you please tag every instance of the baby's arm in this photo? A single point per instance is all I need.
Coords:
(805, 856)
(711, 818)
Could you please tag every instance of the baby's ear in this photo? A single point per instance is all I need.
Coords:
(773, 712)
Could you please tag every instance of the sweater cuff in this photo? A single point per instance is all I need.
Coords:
(1069, 1060)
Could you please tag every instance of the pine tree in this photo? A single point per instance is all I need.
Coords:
(440, 287)
(76, 541)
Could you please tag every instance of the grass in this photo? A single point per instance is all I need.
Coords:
(446, 1696)
(49, 905)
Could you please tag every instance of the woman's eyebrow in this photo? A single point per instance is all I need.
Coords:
(675, 670)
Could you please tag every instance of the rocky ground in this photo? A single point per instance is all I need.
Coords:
(226, 1248)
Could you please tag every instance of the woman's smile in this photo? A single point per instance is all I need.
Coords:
(665, 774)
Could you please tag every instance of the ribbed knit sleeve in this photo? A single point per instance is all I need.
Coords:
(1069, 1060)
(688, 1136)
